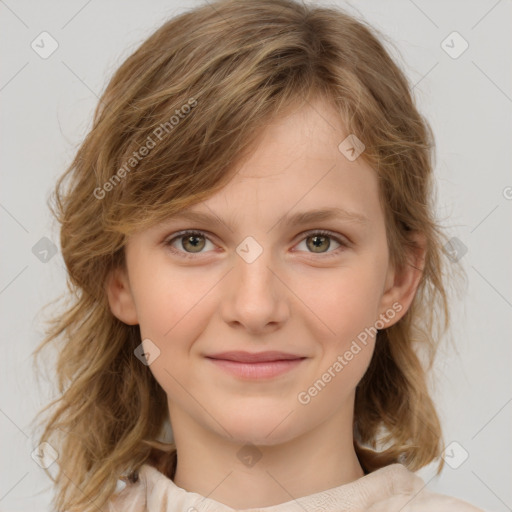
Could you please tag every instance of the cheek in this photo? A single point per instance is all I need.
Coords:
(157, 307)
(173, 309)
(346, 307)
(170, 301)
(344, 301)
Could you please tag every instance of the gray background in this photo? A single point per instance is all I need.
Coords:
(47, 109)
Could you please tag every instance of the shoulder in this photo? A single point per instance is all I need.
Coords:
(407, 492)
(152, 491)
(425, 501)
(131, 496)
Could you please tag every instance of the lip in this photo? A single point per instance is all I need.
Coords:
(254, 366)
(255, 357)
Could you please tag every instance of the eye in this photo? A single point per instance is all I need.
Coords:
(318, 242)
(190, 243)
(194, 241)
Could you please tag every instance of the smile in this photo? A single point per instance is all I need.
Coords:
(256, 366)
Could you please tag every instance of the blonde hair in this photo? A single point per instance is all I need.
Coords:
(237, 66)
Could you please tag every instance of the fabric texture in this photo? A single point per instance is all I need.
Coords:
(390, 489)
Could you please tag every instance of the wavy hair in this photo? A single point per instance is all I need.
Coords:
(195, 94)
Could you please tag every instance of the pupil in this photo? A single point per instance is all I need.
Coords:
(194, 240)
(319, 240)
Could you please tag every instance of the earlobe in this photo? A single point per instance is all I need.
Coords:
(402, 284)
(120, 296)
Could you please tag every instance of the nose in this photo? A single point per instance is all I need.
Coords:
(255, 297)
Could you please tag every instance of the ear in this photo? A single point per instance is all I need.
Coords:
(402, 283)
(120, 296)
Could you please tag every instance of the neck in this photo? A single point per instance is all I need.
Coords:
(264, 475)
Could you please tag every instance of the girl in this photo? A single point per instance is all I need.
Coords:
(255, 265)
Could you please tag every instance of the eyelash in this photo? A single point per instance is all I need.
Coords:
(307, 234)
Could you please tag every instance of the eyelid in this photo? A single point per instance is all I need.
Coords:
(190, 232)
(342, 239)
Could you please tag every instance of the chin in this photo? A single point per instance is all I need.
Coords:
(261, 427)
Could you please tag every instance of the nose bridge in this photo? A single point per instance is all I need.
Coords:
(256, 296)
(253, 266)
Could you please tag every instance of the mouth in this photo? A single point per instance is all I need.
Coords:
(255, 366)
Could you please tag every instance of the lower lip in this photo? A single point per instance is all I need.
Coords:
(262, 370)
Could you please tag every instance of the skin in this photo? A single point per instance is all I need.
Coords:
(290, 299)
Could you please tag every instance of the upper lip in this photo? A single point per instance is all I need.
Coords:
(254, 357)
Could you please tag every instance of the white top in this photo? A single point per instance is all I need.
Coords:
(390, 489)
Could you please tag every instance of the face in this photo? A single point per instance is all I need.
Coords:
(253, 280)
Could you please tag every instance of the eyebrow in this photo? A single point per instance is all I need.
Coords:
(296, 219)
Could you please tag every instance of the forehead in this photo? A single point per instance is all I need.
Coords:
(296, 165)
